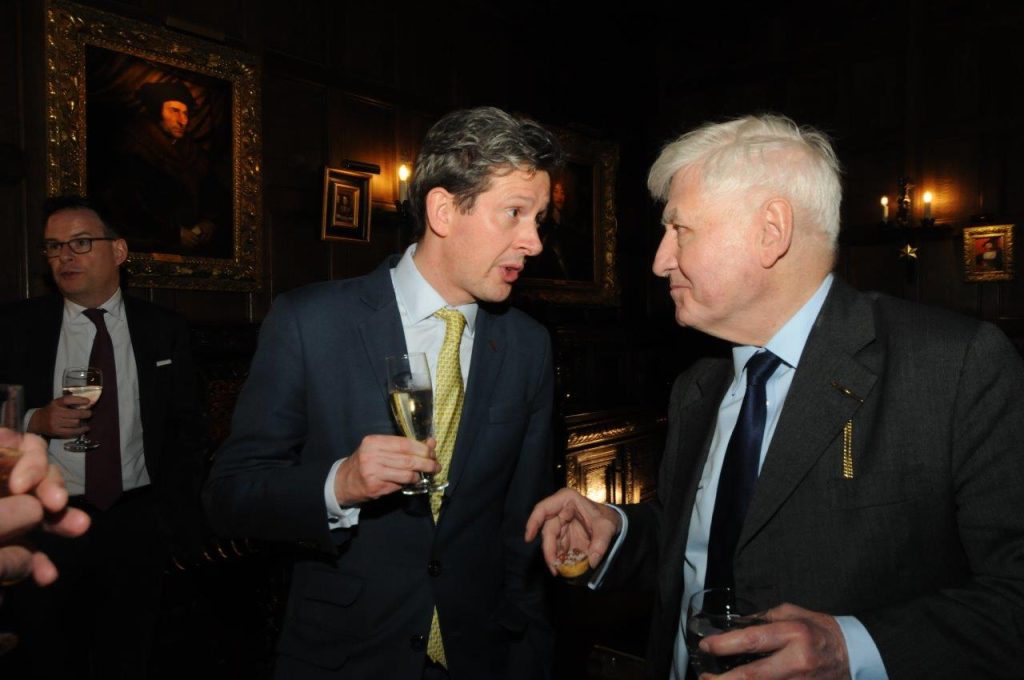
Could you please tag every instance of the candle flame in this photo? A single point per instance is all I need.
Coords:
(403, 172)
(927, 197)
(885, 200)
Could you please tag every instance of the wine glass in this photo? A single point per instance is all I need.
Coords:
(12, 414)
(412, 403)
(714, 611)
(88, 383)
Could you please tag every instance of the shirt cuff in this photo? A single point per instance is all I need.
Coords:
(337, 516)
(598, 578)
(865, 661)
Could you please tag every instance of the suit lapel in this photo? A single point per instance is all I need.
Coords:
(45, 335)
(382, 332)
(697, 413)
(829, 386)
(140, 328)
(488, 356)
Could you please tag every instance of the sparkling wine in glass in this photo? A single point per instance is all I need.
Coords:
(412, 404)
(12, 413)
(88, 383)
(714, 611)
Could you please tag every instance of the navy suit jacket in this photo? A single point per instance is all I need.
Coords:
(924, 544)
(172, 421)
(361, 599)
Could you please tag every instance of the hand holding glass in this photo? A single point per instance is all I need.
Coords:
(412, 403)
(714, 611)
(88, 383)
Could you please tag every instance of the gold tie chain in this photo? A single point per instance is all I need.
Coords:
(448, 395)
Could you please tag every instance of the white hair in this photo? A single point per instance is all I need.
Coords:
(769, 152)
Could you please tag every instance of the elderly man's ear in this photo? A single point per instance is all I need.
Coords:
(776, 231)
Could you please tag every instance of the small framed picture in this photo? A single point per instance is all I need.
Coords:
(988, 253)
(346, 213)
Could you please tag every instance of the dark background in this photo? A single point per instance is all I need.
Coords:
(926, 90)
(929, 90)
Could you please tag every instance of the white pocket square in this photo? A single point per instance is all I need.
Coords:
(163, 362)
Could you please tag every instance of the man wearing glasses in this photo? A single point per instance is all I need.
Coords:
(140, 482)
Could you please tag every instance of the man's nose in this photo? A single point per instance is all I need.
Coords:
(531, 241)
(665, 259)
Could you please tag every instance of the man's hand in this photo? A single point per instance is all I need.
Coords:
(567, 520)
(37, 498)
(382, 465)
(802, 644)
(58, 420)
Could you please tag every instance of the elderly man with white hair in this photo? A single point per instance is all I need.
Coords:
(854, 470)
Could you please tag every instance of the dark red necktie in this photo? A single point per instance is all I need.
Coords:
(739, 472)
(103, 464)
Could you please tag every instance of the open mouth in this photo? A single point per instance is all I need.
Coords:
(510, 272)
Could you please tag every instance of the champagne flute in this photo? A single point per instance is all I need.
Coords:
(12, 414)
(412, 403)
(88, 383)
(714, 611)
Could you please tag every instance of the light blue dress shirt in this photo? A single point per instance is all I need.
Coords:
(788, 344)
(417, 301)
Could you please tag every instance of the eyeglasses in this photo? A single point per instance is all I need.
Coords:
(79, 246)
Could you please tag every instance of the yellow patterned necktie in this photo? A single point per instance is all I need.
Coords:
(448, 396)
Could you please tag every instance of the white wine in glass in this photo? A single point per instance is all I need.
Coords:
(412, 403)
(88, 383)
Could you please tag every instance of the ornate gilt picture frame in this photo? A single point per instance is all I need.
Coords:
(162, 131)
(346, 211)
(988, 253)
(578, 264)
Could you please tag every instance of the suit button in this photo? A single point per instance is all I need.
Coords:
(434, 568)
(418, 643)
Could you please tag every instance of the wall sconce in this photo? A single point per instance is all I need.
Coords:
(905, 207)
(926, 216)
(403, 182)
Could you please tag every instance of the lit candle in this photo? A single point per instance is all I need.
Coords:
(927, 205)
(403, 182)
(885, 208)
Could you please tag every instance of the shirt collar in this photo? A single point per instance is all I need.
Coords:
(114, 306)
(418, 298)
(789, 341)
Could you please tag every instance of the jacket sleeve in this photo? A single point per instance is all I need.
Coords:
(260, 485)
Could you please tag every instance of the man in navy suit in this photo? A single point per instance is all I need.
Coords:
(99, 619)
(315, 459)
(882, 522)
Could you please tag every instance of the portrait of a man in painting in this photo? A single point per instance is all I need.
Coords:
(159, 154)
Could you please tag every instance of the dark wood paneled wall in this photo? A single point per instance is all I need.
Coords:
(908, 87)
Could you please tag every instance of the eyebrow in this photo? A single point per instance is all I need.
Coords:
(669, 217)
(78, 234)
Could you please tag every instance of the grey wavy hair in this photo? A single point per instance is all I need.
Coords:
(766, 151)
(466, 148)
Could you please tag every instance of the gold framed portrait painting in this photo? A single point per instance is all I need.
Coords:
(346, 206)
(162, 132)
(577, 264)
(988, 253)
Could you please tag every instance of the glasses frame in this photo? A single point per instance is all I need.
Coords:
(60, 245)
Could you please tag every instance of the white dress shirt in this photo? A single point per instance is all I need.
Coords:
(417, 302)
(73, 349)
